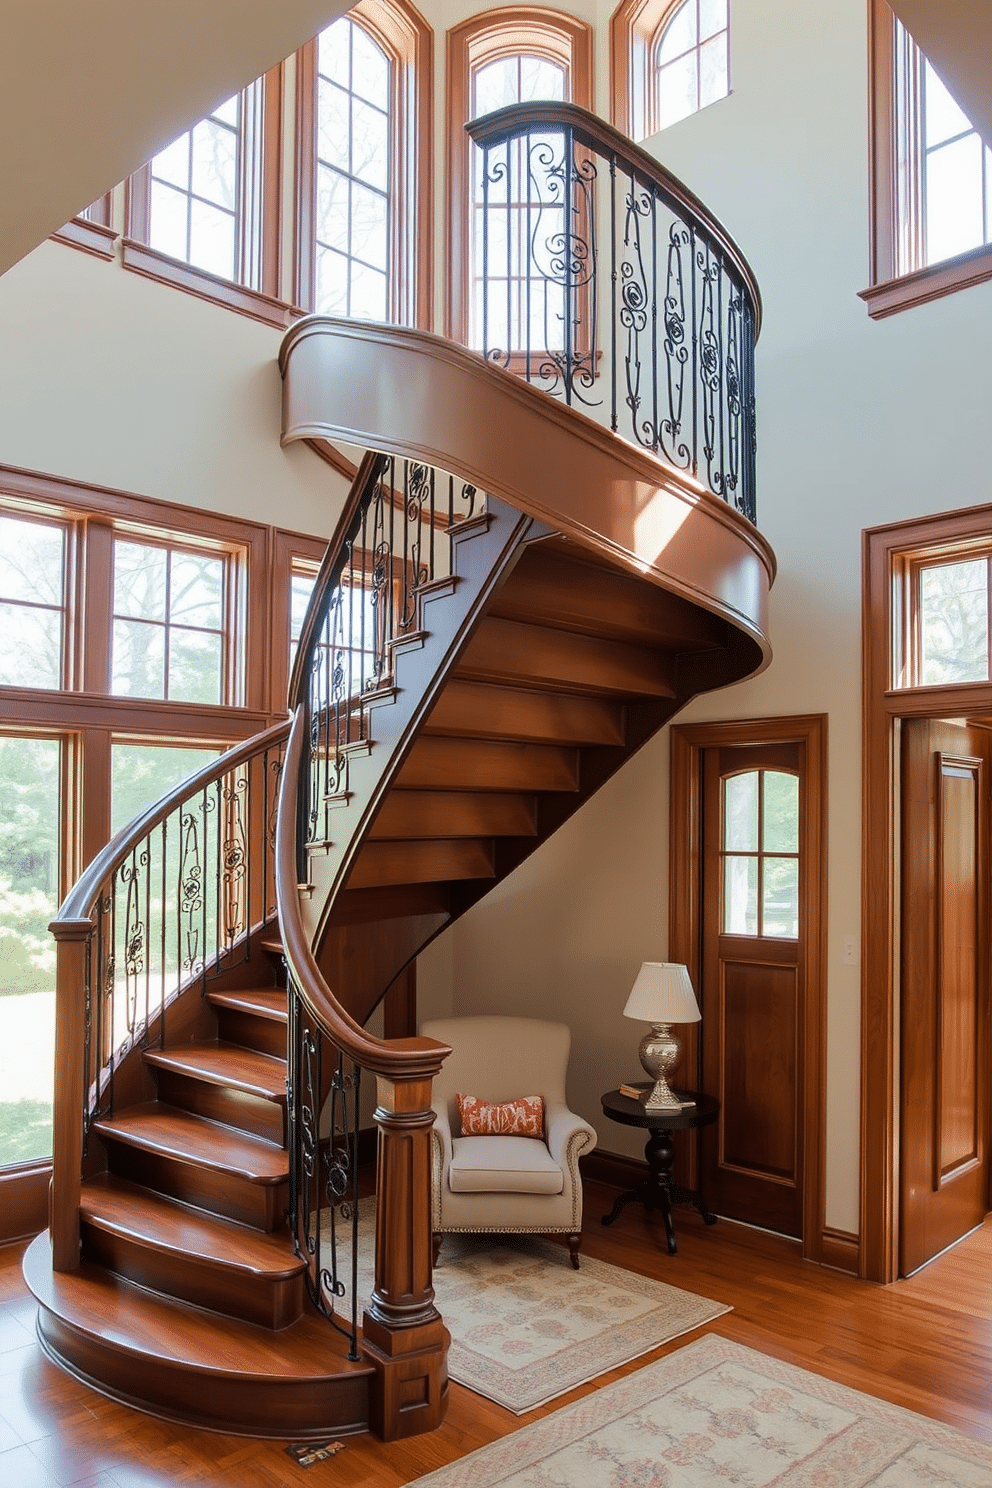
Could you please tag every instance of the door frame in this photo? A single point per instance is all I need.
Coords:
(884, 707)
(685, 906)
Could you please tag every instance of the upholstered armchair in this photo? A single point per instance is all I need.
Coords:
(506, 1183)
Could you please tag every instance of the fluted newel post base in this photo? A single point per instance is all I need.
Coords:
(405, 1339)
(72, 952)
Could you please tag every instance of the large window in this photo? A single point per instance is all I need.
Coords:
(931, 179)
(525, 54)
(942, 614)
(667, 61)
(209, 212)
(140, 639)
(364, 166)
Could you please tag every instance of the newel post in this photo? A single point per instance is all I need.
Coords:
(72, 954)
(404, 1337)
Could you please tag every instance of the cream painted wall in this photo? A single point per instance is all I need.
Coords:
(110, 378)
(859, 423)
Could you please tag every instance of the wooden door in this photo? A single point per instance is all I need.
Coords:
(944, 1177)
(753, 982)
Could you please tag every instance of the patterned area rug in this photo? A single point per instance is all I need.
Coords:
(525, 1327)
(715, 1412)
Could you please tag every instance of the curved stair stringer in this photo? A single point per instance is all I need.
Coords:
(620, 509)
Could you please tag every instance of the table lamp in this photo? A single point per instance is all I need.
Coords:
(662, 995)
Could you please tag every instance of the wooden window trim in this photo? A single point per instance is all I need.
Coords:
(92, 231)
(286, 548)
(890, 291)
(408, 41)
(483, 38)
(257, 290)
(688, 741)
(635, 28)
(884, 707)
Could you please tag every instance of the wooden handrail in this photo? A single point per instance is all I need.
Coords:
(396, 1059)
(595, 134)
(79, 901)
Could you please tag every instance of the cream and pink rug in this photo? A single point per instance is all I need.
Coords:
(525, 1327)
(717, 1413)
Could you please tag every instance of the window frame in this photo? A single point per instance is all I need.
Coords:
(91, 230)
(408, 41)
(906, 624)
(636, 28)
(891, 289)
(481, 39)
(259, 231)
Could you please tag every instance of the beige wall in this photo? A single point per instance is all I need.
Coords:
(112, 379)
(859, 423)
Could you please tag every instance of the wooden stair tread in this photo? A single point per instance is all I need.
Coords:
(96, 1301)
(229, 1065)
(272, 945)
(150, 1218)
(439, 763)
(482, 710)
(418, 813)
(264, 1002)
(160, 1128)
(539, 656)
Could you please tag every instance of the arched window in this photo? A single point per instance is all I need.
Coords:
(521, 54)
(668, 61)
(931, 186)
(363, 139)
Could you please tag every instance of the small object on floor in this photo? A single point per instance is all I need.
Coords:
(307, 1453)
(632, 1091)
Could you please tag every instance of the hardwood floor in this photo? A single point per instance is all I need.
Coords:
(925, 1344)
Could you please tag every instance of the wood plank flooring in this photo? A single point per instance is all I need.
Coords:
(925, 1344)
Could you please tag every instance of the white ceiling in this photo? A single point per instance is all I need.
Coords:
(89, 89)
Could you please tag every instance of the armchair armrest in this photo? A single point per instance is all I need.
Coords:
(567, 1135)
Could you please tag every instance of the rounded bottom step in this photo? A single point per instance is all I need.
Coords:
(202, 1369)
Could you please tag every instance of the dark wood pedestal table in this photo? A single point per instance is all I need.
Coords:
(658, 1191)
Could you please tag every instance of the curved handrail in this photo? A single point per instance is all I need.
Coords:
(406, 1059)
(79, 901)
(595, 134)
(552, 462)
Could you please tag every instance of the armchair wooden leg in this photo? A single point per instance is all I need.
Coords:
(574, 1241)
(436, 1246)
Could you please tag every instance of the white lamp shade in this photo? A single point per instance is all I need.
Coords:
(662, 993)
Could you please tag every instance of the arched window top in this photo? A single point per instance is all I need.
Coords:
(516, 54)
(668, 61)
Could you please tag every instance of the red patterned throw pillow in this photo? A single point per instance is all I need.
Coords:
(523, 1117)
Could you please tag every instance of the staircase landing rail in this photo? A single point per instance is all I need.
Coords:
(603, 280)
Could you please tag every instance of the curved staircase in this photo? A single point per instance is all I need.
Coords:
(515, 600)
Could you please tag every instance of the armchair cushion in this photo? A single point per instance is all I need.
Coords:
(503, 1165)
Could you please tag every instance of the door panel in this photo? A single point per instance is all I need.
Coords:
(944, 1018)
(753, 984)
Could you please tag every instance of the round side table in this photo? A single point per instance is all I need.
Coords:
(658, 1191)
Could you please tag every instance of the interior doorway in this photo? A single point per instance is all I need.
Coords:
(747, 916)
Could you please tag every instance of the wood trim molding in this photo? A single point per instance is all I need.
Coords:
(24, 1193)
(884, 551)
(930, 283)
(139, 258)
(839, 1249)
(97, 238)
(613, 1169)
(634, 25)
(512, 28)
(688, 741)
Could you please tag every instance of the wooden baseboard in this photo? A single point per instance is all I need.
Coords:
(613, 1169)
(840, 1249)
(24, 1202)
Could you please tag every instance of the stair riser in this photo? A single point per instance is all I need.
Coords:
(262, 1205)
(265, 1035)
(298, 1410)
(272, 1302)
(237, 1108)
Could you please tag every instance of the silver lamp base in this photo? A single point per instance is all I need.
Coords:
(660, 1051)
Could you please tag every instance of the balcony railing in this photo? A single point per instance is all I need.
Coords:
(600, 278)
